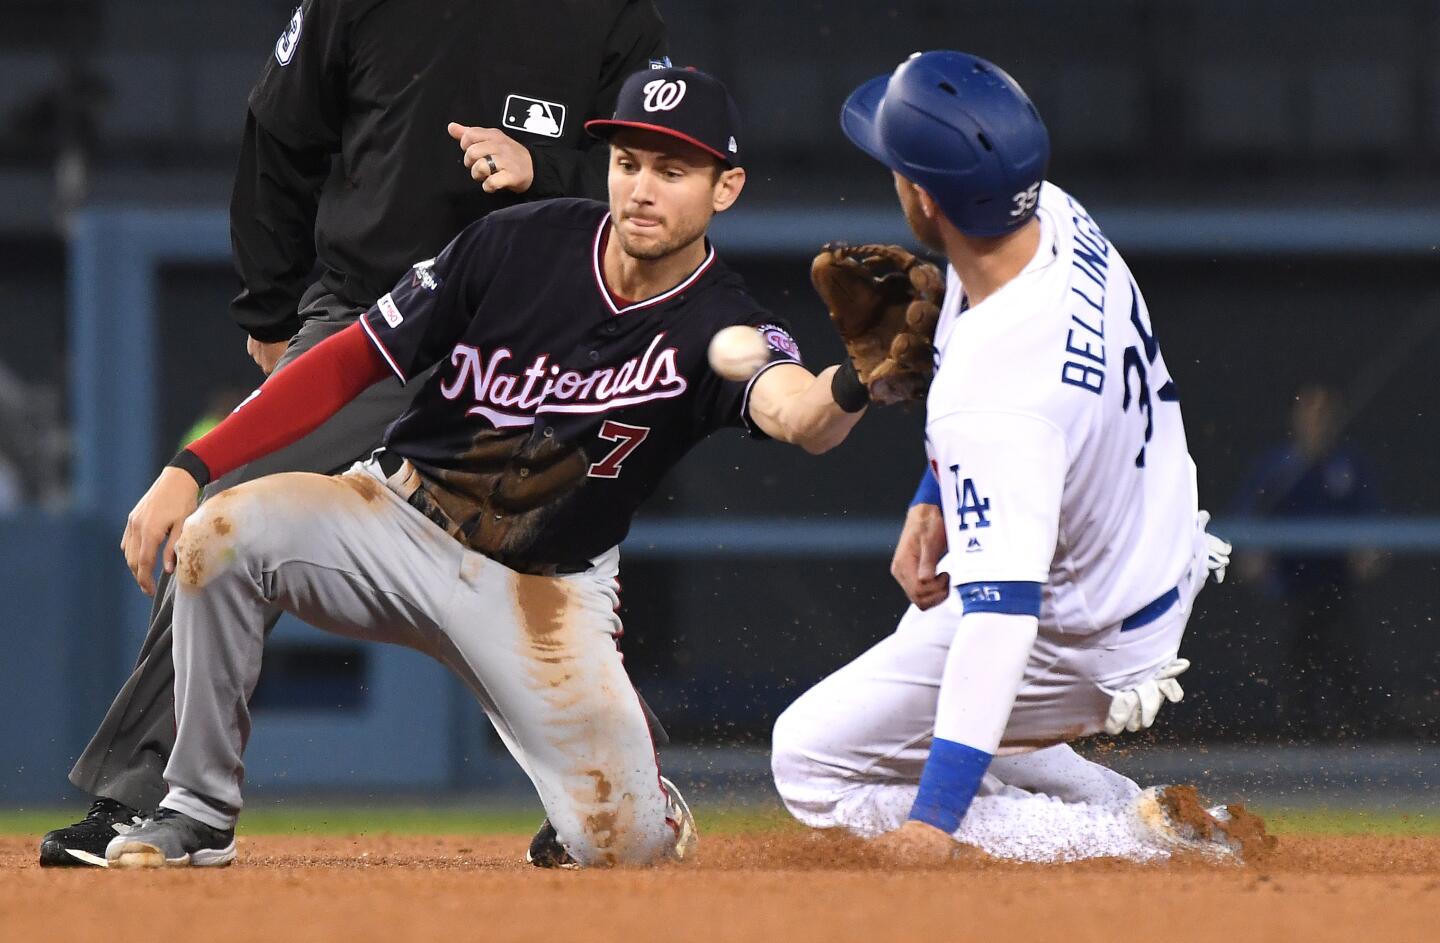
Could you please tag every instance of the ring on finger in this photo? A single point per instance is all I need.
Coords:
(490, 162)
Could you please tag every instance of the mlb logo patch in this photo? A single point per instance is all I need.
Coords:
(523, 113)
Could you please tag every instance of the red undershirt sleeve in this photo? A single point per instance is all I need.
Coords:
(291, 404)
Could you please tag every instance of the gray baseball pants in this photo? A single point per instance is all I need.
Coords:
(346, 554)
(127, 755)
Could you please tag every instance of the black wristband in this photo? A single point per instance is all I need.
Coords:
(848, 392)
(188, 461)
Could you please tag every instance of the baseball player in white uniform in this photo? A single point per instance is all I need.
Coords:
(1067, 514)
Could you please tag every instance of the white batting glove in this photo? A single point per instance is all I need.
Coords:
(1217, 551)
(1136, 708)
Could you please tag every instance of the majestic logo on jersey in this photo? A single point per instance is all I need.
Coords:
(514, 399)
(422, 275)
(779, 339)
(662, 63)
(664, 94)
(535, 115)
(289, 40)
(1025, 200)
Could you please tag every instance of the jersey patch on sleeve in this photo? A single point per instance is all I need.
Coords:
(389, 311)
(780, 340)
(289, 40)
(422, 275)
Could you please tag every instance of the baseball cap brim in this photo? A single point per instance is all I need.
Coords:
(857, 118)
(602, 128)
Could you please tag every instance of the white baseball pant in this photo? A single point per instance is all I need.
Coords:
(850, 751)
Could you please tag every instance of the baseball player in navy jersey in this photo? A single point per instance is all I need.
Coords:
(346, 176)
(1060, 508)
(569, 341)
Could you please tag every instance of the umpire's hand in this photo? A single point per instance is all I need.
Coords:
(494, 158)
(160, 513)
(922, 544)
(265, 354)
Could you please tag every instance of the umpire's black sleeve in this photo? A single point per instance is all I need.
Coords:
(272, 230)
(637, 37)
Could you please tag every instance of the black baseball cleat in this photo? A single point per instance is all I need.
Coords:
(83, 844)
(547, 852)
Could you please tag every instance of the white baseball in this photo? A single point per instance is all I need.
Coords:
(736, 352)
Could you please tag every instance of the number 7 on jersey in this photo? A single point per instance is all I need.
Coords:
(628, 439)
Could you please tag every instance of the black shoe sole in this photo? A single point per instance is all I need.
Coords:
(547, 852)
(53, 854)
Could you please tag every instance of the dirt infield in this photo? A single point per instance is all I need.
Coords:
(782, 888)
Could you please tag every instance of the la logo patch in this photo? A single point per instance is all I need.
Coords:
(968, 502)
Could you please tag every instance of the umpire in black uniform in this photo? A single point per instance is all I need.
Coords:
(377, 131)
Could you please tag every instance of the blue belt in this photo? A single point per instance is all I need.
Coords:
(1152, 611)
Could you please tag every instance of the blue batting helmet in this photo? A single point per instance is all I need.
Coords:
(960, 128)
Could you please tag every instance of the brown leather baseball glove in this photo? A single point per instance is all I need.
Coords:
(884, 302)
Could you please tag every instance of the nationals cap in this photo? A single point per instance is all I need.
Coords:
(683, 103)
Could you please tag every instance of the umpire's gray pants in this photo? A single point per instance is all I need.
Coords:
(126, 757)
(348, 555)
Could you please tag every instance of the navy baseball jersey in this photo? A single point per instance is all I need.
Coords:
(555, 408)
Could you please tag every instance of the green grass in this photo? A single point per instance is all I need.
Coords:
(454, 818)
(311, 817)
(1327, 821)
(314, 818)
